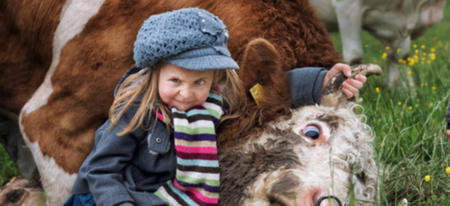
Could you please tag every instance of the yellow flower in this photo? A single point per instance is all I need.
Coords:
(430, 105)
(399, 103)
(409, 73)
(447, 170)
(432, 50)
(411, 62)
(377, 90)
(387, 48)
(416, 51)
(401, 61)
(384, 55)
(427, 178)
(410, 108)
(423, 46)
(434, 88)
(414, 46)
(432, 56)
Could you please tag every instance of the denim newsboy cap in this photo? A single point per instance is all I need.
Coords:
(190, 38)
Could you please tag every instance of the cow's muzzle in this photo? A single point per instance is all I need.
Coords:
(331, 199)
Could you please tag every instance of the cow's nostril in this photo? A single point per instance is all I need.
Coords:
(329, 200)
(15, 195)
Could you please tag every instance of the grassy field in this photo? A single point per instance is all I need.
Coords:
(409, 123)
(412, 151)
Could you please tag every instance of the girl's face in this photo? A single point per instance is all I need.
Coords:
(182, 88)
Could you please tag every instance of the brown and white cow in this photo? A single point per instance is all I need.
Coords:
(274, 155)
(61, 60)
(394, 22)
(268, 155)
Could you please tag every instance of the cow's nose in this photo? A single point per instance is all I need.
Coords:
(328, 200)
(319, 197)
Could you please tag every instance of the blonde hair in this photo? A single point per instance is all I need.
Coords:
(144, 85)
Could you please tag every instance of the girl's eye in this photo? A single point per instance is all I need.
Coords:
(312, 131)
(200, 82)
(174, 80)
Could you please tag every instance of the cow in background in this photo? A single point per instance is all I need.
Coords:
(68, 55)
(394, 22)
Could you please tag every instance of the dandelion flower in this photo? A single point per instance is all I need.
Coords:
(414, 46)
(399, 103)
(423, 46)
(434, 88)
(377, 90)
(409, 72)
(410, 108)
(432, 50)
(432, 56)
(411, 62)
(384, 55)
(447, 170)
(427, 178)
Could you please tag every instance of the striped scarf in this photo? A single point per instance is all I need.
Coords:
(197, 177)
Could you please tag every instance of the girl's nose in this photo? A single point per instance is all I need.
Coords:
(185, 92)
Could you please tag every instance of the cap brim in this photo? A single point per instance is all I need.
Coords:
(210, 62)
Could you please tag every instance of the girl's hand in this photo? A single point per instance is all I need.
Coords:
(350, 87)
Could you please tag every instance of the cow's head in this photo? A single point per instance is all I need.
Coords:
(293, 156)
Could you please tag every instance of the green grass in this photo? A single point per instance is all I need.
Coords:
(7, 167)
(409, 122)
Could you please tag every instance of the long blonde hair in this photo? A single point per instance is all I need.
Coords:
(144, 85)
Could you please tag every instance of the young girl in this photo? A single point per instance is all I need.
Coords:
(159, 145)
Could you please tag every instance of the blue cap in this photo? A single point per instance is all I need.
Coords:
(190, 38)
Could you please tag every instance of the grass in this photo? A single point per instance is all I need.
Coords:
(409, 123)
(7, 167)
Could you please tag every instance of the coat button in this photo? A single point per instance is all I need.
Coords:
(158, 140)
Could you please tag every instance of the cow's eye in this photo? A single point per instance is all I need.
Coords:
(312, 131)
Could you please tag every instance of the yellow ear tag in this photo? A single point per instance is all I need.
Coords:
(257, 92)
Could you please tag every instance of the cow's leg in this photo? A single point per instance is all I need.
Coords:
(400, 49)
(348, 14)
(44, 134)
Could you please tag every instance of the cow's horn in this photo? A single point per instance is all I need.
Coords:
(332, 94)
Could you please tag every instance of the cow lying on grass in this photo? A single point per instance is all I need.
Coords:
(274, 155)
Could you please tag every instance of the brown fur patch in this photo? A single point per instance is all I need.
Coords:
(239, 169)
(26, 35)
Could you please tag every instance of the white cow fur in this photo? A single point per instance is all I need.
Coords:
(391, 21)
(325, 166)
(56, 182)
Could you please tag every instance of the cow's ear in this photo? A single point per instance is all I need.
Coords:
(262, 74)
